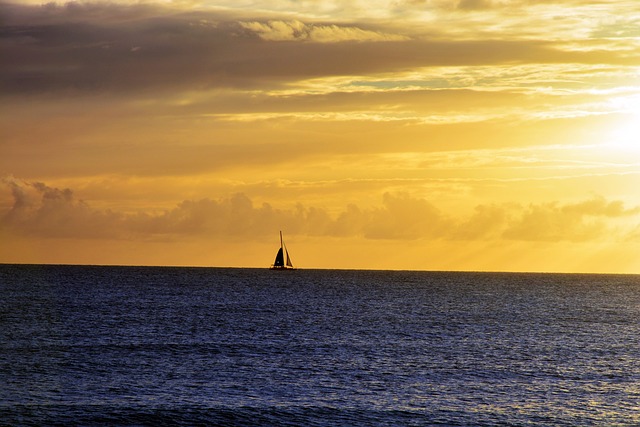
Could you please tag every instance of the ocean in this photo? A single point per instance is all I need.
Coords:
(151, 346)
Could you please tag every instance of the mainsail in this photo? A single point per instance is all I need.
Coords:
(279, 263)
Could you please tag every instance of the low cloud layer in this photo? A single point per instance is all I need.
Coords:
(42, 211)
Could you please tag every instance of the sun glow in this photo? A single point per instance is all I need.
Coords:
(443, 134)
(625, 138)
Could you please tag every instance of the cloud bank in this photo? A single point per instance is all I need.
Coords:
(109, 47)
(43, 211)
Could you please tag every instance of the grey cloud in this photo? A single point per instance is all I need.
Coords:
(77, 52)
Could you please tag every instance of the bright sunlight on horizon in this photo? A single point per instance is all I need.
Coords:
(488, 135)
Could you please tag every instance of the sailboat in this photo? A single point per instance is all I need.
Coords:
(283, 261)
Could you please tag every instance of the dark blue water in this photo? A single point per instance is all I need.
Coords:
(199, 346)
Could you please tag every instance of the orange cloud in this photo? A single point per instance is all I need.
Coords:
(43, 211)
(40, 210)
(554, 222)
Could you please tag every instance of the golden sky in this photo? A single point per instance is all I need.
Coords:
(401, 134)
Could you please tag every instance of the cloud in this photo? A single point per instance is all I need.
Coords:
(98, 47)
(47, 212)
(43, 211)
(486, 222)
(475, 4)
(278, 30)
(634, 236)
(576, 222)
(405, 218)
(599, 206)
(296, 30)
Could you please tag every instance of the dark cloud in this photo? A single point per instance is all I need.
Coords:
(115, 48)
(78, 51)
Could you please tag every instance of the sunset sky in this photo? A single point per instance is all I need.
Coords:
(499, 135)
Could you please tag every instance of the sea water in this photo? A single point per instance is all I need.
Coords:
(82, 345)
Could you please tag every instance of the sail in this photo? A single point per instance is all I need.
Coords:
(289, 264)
(279, 262)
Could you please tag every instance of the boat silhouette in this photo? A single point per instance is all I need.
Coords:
(283, 260)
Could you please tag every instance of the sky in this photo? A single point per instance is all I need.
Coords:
(483, 135)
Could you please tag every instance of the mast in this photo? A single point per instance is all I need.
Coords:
(281, 244)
